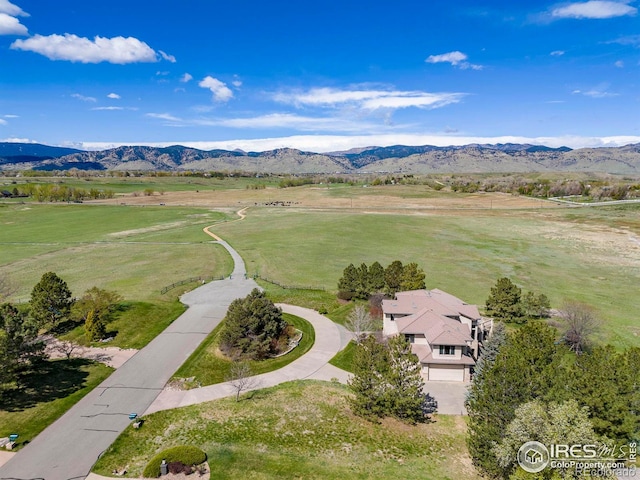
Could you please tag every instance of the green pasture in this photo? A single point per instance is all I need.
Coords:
(207, 366)
(296, 430)
(135, 251)
(461, 254)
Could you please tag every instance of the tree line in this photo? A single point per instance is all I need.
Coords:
(364, 281)
(528, 387)
(49, 192)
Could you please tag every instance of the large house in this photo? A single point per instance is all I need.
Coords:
(445, 333)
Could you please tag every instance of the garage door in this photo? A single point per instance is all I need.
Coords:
(446, 373)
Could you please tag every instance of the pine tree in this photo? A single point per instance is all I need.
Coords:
(94, 326)
(348, 283)
(376, 278)
(412, 277)
(393, 277)
(522, 371)
(251, 327)
(405, 382)
(504, 302)
(368, 383)
(363, 289)
(50, 301)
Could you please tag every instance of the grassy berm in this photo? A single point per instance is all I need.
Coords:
(297, 430)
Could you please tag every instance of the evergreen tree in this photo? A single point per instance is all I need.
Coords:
(603, 381)
(95, 326)
(405, 382)
(363, 289)
(251, 327)
(535, 306)
(348, 283)
(412, 277)
(393, 277)
(522, 372)
(368, 383)
(19, 346)
(50, 301)
(376, 278)
(504, 301)
(487, 358)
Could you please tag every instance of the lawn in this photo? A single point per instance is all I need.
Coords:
(135, 324)
(47, 395)
(567, 254)
(207, 365)
(135, 251)
(297, 430)
(344, 358)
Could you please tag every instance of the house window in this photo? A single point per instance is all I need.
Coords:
(447, 350)
(473, 332)
(411, 338)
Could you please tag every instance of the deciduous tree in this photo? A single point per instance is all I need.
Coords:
(579, 324)
(241, 378)
(359, 322)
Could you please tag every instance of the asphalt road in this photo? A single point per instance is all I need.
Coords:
(69, 447)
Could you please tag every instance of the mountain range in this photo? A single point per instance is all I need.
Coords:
(473, 158)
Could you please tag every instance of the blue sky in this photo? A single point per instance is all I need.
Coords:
(321, 76)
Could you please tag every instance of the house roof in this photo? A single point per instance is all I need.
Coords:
(442, 303)
(437, 329)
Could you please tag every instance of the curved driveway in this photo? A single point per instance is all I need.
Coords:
(330, 339)
(69, 447)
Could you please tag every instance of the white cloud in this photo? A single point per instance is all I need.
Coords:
(368, 99)
(118, 50)
(83, 98)
(10, 9)
(167, 57)
(557, 53)
(456, 58)
(236, 83)
(221, 93)
(594, 9)
(3, 121)
(164, 116)
(18, 140)
(619, 64)
(596, 92)
(114, 96)
(332, 143)
(187, 77)
(11, 26)
(108, 108)
(11, 116)
(633, 40)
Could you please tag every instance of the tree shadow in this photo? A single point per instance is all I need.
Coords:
(46, 382)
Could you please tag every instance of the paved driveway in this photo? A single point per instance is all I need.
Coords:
(69, 447)
(449, 395)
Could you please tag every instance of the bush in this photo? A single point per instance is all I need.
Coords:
(184, 454)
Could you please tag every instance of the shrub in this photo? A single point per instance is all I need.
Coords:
(185, 454)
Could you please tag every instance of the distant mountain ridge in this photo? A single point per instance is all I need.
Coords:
(472, 158)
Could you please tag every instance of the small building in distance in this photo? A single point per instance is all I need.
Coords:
(445, 333)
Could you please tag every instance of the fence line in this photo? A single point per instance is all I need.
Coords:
(289, 287)
(189, 280)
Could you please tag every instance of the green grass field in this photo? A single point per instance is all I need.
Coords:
(567, 254)
(207, 366)
(297, 430)
(135, 251)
